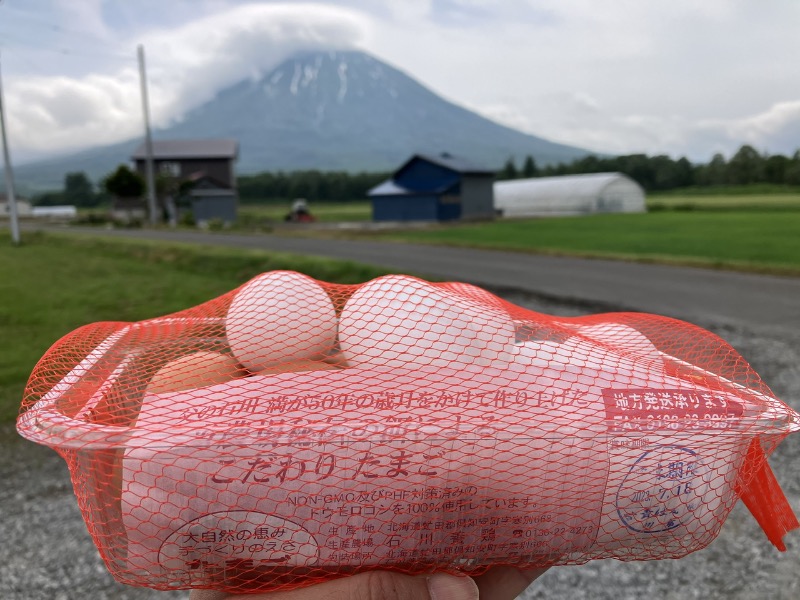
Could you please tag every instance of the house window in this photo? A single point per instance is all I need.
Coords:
(170, 168)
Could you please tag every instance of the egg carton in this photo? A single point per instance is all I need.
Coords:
(294, 430)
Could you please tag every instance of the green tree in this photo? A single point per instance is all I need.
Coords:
(124, 183)
(529, 168)
(640, 168)
(509, 170)
(49, 199)
(714, 173)
(78, 190)
(775, 168)
(746, 166)
(792, 174)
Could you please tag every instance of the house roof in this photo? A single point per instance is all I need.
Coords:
(390, 188)
(178, 149)
(448, 161)
(201, 179)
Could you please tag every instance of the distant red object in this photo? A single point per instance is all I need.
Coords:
(300, 216)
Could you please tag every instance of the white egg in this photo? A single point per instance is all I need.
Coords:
(278, 317)
(472, 293)
(621, 337)
(575, 362)
(399, 320)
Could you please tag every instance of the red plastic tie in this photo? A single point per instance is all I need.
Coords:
(764, 498)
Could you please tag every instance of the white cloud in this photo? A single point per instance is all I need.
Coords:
(56, 113)
(213, 52)
(775, 130)
(681, 77)
(186, 66)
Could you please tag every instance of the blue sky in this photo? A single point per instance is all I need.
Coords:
(679, 77)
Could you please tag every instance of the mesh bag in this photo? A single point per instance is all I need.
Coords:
(293, 430)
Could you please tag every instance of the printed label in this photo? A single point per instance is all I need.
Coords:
(643, 410)
(435, 501)
(238, 539)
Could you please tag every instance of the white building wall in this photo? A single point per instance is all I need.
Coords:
(23, 208)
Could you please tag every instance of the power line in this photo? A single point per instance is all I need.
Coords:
(85, 52)
(71, 41)
(49, 24)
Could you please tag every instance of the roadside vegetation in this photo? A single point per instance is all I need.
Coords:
(53, 284)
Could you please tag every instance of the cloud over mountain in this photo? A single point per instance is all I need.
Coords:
(186, 66)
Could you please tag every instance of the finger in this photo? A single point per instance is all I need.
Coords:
(505, 583)
(374, 585)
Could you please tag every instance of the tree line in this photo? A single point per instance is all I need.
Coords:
(653, 173)
(325, 186)
(660, 173)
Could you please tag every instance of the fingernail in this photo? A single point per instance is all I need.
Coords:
(450, 587)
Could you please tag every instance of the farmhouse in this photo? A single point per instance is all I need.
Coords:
(210, 199)
(206, 165)
(24, 208)
(568, 195)
(434, 188)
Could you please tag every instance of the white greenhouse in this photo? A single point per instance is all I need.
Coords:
(568, 195)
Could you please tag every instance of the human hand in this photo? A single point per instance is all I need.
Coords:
(499, 583)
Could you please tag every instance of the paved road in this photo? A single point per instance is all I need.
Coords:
(697, 295)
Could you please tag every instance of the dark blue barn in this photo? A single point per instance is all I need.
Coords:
(434, 188)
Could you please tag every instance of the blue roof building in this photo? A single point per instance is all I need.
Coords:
(434, 188)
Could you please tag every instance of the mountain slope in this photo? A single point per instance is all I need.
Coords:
(328, 110)
(347, 110)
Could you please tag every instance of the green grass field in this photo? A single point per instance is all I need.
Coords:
(750, 202)
(53, 284)
(735, 228)
(757, 241)
(323, 211)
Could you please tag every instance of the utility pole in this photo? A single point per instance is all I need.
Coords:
(148, 141)
(9, 173)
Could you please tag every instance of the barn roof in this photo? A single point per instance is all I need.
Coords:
(448, 161)
(183, 149)
(390, 188)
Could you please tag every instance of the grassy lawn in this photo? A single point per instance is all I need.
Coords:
(762, 241)
(53, 284)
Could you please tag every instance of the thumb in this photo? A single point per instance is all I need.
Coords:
(374, 585)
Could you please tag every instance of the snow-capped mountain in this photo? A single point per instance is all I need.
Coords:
(348, 110)
(330, 110)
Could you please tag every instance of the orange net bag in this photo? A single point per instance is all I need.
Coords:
(293, 430)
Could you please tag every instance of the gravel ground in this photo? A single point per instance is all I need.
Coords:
(47, 554)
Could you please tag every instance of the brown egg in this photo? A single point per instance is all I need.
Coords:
(301, 364)
(195, 371)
